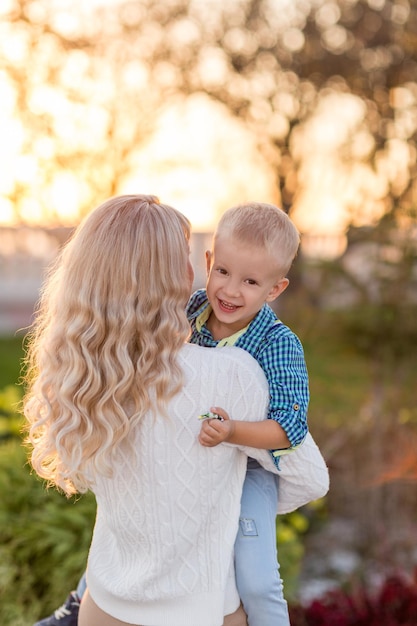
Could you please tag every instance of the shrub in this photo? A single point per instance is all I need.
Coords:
(290, 530)
(10, 419)
(44, 541)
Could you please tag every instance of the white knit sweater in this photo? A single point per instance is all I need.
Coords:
(162, 547)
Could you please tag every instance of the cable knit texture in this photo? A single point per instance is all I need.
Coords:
(162, 548)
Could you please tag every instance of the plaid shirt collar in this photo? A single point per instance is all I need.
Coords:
(260, 324)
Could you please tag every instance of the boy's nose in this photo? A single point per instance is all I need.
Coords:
(231, 288)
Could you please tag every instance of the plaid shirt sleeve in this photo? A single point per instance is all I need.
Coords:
(282, 359)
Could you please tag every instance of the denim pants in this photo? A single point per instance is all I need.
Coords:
(82, 586)
(257, 570)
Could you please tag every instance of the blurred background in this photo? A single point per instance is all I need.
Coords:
(308, 104)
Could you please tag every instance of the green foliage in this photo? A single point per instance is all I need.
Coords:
(10, 418)
(386, 331)
(11, 354)
(339, 378)
(291, 529)
(44, 538)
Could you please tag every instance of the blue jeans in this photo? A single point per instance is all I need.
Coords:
(82, 586)
(257, 568)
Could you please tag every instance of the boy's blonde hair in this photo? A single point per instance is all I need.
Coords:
(103, 348)
(263, 225)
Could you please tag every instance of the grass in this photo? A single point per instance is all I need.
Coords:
(11, 354)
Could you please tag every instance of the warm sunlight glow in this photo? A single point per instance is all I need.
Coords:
(198, 157)
(337, 185)
(202, 161)
(6, 212)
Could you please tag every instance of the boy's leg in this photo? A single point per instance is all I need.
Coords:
(257, 569)
(82, 586)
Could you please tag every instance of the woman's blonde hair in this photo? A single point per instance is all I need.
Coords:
(262, 225)
(102, 351)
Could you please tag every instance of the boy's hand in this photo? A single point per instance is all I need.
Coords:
(214, 431)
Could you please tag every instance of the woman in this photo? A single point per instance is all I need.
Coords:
(114, 395)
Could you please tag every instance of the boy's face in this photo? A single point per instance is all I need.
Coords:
(241, 278)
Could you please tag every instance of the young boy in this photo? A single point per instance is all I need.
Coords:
(253, 248)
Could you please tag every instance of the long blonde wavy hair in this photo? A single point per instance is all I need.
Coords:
(103, 347)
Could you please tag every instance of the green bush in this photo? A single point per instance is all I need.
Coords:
(11, 355)
(44, 539)
(10, 418)
(291, 530)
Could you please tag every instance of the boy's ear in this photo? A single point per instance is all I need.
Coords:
(209, 257)
(277, 289)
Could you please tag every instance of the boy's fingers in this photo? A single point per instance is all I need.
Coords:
(206, 441)
(214, 426)
(219, 411)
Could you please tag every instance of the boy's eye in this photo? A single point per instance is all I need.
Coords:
(250, 281)
(221, 270)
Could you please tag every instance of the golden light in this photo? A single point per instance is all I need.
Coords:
(202, 161)
(337, 184)
(200, 158)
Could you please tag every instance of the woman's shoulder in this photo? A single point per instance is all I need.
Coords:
(228, 377)
(226, 358)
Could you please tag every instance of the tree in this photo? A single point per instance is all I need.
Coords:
(76, 109)
(271, 62)
(276, 62)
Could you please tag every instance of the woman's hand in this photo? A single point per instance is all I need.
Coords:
(214, 431)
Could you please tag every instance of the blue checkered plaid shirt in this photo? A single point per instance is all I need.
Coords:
(280, 354)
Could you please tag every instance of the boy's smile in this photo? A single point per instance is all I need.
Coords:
(228, 308)
(241, 278)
